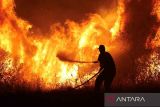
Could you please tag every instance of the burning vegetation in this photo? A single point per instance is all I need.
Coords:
(49, 60)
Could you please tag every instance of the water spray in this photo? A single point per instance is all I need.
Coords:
(65, 59)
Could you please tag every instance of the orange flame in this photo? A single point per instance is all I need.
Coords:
(156, 11)
(31, 58)
(151, 61)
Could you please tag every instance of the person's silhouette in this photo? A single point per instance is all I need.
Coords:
(107, 68)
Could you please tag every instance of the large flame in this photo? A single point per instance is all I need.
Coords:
(155, 42)
(31, 59)
(149, 64)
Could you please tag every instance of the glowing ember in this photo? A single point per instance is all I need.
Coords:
(149, 68)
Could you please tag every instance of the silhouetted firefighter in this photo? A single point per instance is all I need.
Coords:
(107, 68)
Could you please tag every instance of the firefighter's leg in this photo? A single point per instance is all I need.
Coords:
(98, 83)
(108, 83)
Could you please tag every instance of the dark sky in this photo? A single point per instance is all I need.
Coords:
(43, 13)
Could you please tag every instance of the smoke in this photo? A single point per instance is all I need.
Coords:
(43, 13)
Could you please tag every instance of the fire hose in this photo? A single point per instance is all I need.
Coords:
(62, 58)
(89, 79)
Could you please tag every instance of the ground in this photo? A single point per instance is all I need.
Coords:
(67, 97)
(55, 98)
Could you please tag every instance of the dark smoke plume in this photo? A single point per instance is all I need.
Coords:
(43, 13)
